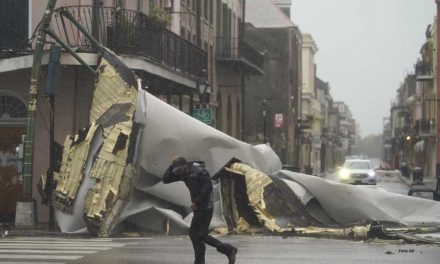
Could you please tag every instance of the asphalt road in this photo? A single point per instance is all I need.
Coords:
(264, 250)
(391, 183)
(178, 250)
(252, 249)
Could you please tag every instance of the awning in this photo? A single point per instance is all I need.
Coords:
(419, 146)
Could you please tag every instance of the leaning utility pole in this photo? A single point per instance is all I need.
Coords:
(437, 84)
(26, 213)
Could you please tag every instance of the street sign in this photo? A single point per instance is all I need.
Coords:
(202, 114)
(278, 120)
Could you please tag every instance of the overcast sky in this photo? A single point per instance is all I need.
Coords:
(365, 49)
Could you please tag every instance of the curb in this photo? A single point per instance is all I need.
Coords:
(7, 231)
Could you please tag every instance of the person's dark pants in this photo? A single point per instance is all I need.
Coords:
(198, 232)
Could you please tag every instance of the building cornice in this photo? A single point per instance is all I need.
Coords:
(309, 42)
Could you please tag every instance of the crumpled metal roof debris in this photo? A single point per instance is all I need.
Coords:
(288, 202)
(95, 178)
(111, 173)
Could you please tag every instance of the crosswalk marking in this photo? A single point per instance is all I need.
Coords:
(33, 246)
(27, 262)
(59, 239)
(47, 257)
(33, 249)
(47, 251)
(62, 243)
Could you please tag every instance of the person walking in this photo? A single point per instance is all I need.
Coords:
(199, 184)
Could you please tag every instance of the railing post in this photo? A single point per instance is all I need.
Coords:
(69, 16)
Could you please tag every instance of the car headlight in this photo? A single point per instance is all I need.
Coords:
(344, 174)
(371, 173)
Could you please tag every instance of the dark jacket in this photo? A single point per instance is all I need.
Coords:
(199, 184)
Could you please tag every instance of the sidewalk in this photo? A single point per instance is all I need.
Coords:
(423, 189)
(430, 182)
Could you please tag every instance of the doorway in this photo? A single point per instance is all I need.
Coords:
(12, 129)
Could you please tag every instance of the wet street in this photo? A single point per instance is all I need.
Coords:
(258, 249)
(389, 182)
(264, 250)
(178, 250)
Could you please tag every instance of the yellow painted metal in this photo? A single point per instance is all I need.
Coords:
(110, 165)
(256, 181)
(72, 168)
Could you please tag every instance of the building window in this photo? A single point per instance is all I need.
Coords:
(240, 27)
(14, 19)
(238, 118)
(205, 8)
(218, 112)
(182, 32)
(188, 36)
(175, 101)
(229, 117)
(219, 19)
(12, 107)
(211, 12)
(151, 6)
(211, 57)
(233, 25)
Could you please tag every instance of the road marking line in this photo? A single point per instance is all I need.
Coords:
(76, 247)
(47, 251)
(23, 250)
(26, 262)
(2, 256)
(59, 239)
(2, 242)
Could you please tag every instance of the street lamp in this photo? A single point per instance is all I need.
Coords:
(203, 88)
(264, 112)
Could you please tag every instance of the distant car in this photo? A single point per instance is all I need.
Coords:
(357, 171)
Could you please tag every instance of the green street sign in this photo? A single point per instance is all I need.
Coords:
(202, 114)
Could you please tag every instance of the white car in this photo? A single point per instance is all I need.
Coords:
(357, 171)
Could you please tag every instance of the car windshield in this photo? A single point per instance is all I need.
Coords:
(357, 165)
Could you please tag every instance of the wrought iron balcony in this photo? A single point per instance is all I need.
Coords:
(132, 33)
(424, 126)
(238, 51)
(424, 70)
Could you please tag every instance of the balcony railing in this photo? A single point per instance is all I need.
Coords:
(423, 68)
(424, 125)
(236, 49)
(134, 33)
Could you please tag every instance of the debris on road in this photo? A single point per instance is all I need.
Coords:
(110, 178)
